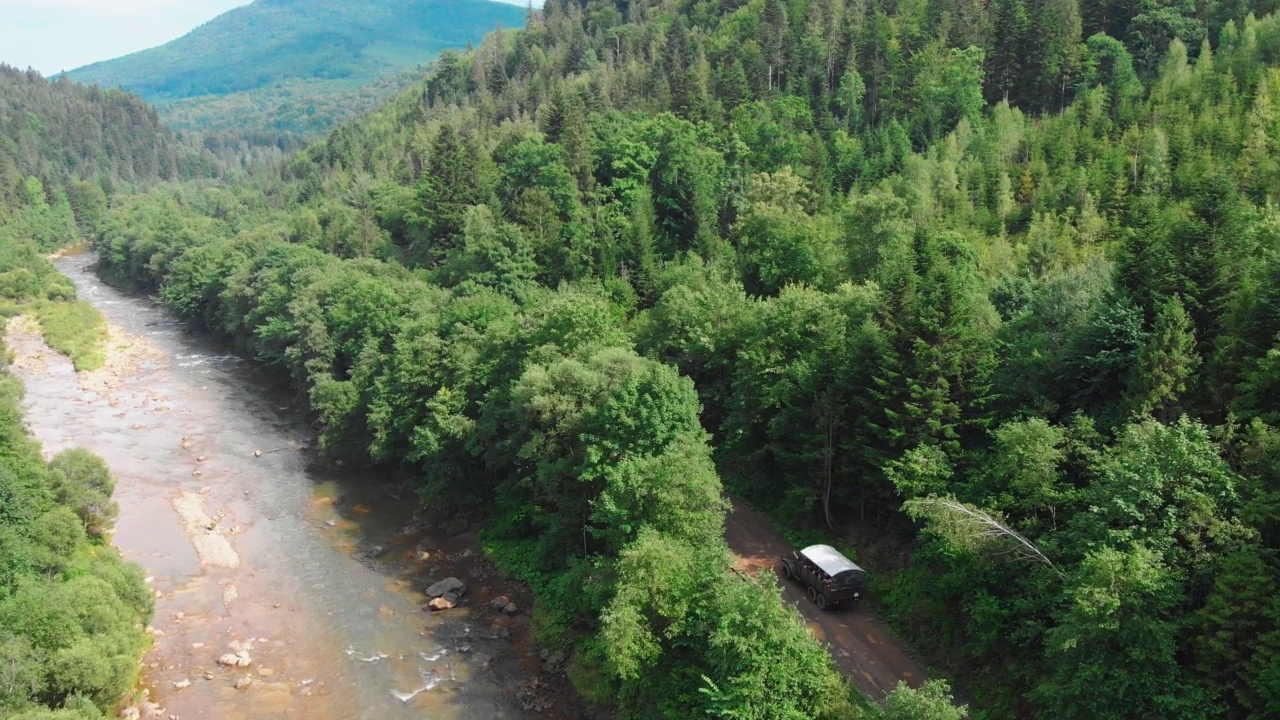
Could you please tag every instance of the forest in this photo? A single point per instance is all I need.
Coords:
(72, 612)
(986, 291)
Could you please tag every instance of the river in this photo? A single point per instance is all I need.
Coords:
(253, 542)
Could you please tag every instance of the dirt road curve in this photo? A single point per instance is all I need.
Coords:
(863, 648)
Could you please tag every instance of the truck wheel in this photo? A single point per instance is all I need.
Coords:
(813, 595)
(821, 601)
(786, 571)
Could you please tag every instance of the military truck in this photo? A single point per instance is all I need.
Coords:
(829, 578)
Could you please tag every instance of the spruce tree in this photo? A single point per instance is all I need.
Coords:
(446, 189)
(1009, 56)
(1165, 362)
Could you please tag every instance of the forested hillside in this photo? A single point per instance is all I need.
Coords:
(66, 149)
(58, 130)
(72, 612)
(296, 67)
(994, 281)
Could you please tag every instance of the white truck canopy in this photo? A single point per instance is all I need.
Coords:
(829, 560)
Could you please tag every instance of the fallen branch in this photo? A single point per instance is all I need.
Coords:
(965, 524)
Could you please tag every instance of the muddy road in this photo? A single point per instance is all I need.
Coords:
(253, 543)
(863, 648)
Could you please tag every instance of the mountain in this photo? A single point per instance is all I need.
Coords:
(296, 65)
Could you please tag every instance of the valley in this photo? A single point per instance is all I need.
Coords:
(497, 387)
(252, 542)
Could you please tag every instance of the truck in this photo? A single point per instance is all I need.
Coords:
(830, 579)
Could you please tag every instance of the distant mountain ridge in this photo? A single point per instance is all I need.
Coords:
(332, 48)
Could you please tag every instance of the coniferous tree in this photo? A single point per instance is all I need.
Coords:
(1010, 56)
(447, 187)
(774, 38)
(1165, 362)
(1059, 35)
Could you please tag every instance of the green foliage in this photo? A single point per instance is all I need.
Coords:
(72, 327)
(1032, 342)
(56, 132)
(82, 482)
(75, 329)
(71, 611)
(933, 701)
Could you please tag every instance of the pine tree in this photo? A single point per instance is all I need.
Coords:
(731, 84)
(1009, 51)
(575, 138)
(444, 192)
(1059, 32)
(676, 60)
(774, 37)
(1165, 362)
(933, 382)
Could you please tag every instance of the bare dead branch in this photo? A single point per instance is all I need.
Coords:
(957, 520)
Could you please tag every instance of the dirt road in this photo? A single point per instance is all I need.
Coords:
(863, 648)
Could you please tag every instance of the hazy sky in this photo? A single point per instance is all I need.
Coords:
(56, 35)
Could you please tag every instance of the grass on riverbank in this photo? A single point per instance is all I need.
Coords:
(31, 285)
(75, 329)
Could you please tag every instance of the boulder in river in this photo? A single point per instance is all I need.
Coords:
(500, 602)
(439, 604)
(447, 585)
(236, 659)
(244, 682)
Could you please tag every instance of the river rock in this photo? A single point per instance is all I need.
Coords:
(511, 609)
(500, 602)
(447, 585)
(374, 552)
(182, 684)
(439, 604)
(244, 682)
(483, 659)
(237, 659)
